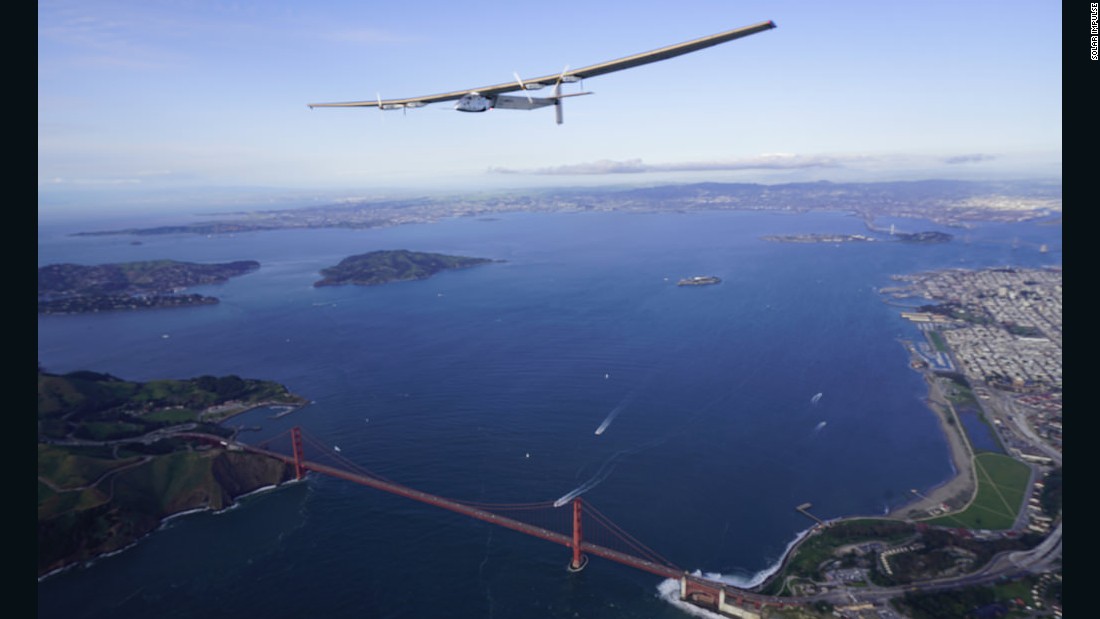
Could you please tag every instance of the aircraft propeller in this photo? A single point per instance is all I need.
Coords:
(522, 86)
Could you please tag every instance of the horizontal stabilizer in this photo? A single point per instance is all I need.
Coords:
(510, 102)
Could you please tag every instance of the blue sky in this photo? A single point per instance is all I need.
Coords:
(140, 99)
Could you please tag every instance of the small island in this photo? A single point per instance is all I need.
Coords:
(381, 267)
(931, 236)
(819, 238)
(699, 280)
(74, 288)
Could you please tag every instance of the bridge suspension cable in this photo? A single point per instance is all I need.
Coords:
(569, 526)
(695, 589)
(628, 539)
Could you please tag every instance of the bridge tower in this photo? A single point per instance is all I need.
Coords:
(296, 441)
(579, 560)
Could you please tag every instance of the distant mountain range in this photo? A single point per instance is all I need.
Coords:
(944, 201)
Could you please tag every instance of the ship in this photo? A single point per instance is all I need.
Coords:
(699, 280)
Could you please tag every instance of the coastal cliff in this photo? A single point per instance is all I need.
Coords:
(114, 460)
(81, 522)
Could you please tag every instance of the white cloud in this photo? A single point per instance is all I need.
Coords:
(976, 157)
(774, 161)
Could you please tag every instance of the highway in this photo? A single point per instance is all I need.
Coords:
(1010, 564)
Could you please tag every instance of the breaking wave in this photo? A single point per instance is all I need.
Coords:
(669, 589)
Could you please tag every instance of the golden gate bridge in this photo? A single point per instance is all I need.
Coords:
(583, 529)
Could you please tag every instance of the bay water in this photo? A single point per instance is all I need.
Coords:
(490, 383)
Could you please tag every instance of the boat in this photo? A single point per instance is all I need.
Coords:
(699, 280)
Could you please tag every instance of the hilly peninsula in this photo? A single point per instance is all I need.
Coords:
(115, 457)
(381, 267)
(74, 288)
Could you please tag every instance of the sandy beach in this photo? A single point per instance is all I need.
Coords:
(956, 492)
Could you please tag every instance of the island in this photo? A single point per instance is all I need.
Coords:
(819, 238)
(381, 267)
(699, 280)
(116, 457)
(74, 288)
(931, 236)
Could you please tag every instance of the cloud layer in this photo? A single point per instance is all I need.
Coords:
(637, 166)
(976, 157)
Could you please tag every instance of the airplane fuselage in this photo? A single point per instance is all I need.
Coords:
(473, 102)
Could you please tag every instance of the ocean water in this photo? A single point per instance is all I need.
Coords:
(490, 384)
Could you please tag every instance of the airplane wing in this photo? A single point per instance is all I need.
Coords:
(568, 75)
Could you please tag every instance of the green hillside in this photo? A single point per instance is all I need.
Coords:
(104, 481)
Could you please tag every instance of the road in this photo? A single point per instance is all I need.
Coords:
(1010, 564)
(1008, 407)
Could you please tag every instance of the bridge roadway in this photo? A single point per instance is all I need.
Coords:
(480, 514)
(695, 589)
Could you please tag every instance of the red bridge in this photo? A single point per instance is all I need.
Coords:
(580, 533)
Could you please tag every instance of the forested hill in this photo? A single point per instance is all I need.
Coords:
(74, 288)
(380, 267)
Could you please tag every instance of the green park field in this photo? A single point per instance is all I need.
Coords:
(1002, 483)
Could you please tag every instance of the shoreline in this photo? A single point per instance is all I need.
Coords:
(164, 522)
(290, 407)
(958, 489)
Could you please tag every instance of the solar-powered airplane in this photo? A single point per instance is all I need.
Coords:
(489, 97)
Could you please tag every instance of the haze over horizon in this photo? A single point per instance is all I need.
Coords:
(143, 105)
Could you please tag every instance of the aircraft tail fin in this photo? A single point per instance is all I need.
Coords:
(558, 105)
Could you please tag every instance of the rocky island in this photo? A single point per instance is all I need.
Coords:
(74, 288)
(116, 457)
(381, 267)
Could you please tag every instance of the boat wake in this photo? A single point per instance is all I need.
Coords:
(817, 398)
(610, 417)
(609, 465)
(614, 413)
(602, 474)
